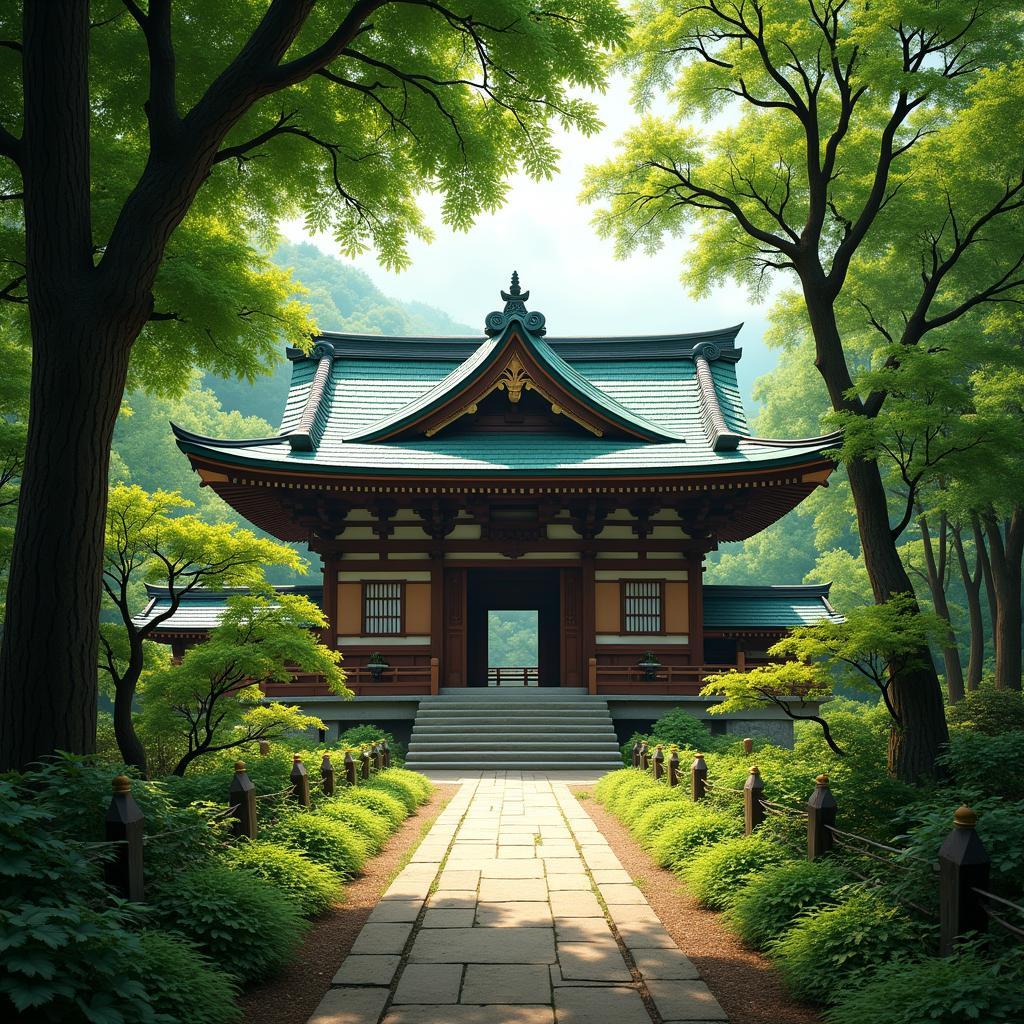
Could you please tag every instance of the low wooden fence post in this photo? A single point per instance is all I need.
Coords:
(699, 777)
(821, 816)
(753, 809)
(364, 764)
(435, 676)
(659, 763)
(242, 797)
(124, 825)
(592, 676)
(963, 867)
(386, 752)
(645, 756)
(327, 775)
(748, 746)
(264, 748)
(350, 768)
(673, 768)
(378, 758)
(636, 754)
(300, 782)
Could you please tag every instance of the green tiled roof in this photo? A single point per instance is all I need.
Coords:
(755, 607)
(646, 385)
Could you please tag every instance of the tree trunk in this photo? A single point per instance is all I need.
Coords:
(986, 573)
(937, 585)
(919, 732)
(972, 590)
(128, 742)
(1005, 554)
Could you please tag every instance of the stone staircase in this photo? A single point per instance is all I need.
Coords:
(524, 728)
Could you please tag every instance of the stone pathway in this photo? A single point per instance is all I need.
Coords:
(514, 910)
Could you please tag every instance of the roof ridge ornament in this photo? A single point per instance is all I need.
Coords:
(515, 309)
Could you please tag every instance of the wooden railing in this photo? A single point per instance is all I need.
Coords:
(392, 681)
(513, 675)
(673, 680)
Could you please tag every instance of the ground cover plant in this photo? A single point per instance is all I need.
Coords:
(844, 931)
(218, 914)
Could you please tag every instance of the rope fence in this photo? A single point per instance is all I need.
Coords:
(962, 864)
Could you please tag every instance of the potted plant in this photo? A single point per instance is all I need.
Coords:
(377, 663)
(649, 665)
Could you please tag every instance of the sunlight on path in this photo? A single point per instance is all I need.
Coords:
(514, 910)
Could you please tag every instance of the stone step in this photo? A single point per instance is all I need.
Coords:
(522, 707)
(534, 766)
(438, 732)
(485, 692)
(461, 743)
(475, 718)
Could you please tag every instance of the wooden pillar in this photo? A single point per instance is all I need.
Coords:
(124, 826)
(454, 660)
(963, 867)
(330, 602)
(695, 578)
(699, 777)
(588, 607)
(300, 782)
(242, 797)
(327, 775)
(436, 612)
(753, 809)
(821, 814)
(572, 660)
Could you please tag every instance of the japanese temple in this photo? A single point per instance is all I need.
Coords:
(582, 478)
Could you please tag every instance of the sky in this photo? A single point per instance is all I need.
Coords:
(573, 276)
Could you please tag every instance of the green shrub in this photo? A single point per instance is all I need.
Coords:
(649, 825)
(947, 990)
(608, 785)
(641, 782)
(248, 927)
(839, 945)
(374, 828)
(682, 729)
(988, 710)
(311, 886)
(679, 841)
(418, 785)
(979, 765)
(716, 876)
(773, 899)
(183, 984)
(359, 736)
(644, 799)
(324, 839)
(378, 801)
(401, 791)
(68, 953)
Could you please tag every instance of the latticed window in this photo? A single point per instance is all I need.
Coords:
(382, 608)
(642, 602)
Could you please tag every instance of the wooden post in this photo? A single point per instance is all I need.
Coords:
(821, 814)
(327, 775)
(636, 754)
(378, 757)
(673, 768)
(364, 764)
(124, 825)
(659, 763)
(300, 781)
(645, 756)
(350, 768)
(699, 777)
(264, 748)
(963, 866)
(242, 797)
(748, 746)
(435, 676)
(385, 753)
(753, 809)
(592, 676)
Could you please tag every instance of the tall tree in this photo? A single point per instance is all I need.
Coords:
(147, 150)
(858, 137)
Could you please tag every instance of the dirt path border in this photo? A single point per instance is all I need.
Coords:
(742, 981)
(291, 995)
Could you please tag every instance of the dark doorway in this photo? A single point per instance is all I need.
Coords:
(508, 589)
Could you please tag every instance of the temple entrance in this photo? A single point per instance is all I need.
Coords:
(513, 655)
(536, 591)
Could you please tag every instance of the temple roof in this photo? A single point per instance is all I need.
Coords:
(725, 607)
(378, 406)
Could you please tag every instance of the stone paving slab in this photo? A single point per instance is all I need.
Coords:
(514, 931)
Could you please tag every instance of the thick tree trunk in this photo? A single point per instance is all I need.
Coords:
(1005, 553)
(937, 585)
(128, 742)
(972, 591)
(919, 731)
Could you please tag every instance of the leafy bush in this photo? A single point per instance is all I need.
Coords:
(982, 765)
(608, 785)
(378, 801)
(677, 842)
(674, 728)
(359, 736)
(183, 984)
(649, 825)
(840, 945)
(644, 799)
(249, 927)
(717, 875)
(322, 838)
(401, 791)
(988, 710)
(772, 900)
(418, 785)
(68, 953)
(374, 828)
(311, 886)
(947, 990)
(630, 789)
